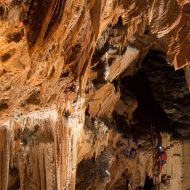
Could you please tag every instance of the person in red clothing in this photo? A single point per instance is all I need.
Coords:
(161, 158)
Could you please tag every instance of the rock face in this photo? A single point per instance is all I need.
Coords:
(88, 89)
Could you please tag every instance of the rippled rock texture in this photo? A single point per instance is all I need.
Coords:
(88, 88)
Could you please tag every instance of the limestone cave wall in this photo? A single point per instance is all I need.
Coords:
(89, 89)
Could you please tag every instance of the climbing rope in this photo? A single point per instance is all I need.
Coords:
(155, 165)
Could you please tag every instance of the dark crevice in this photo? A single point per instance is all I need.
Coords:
(148, 183)
(2, 11)
(119, 23)
(14, 172)
(15, 186)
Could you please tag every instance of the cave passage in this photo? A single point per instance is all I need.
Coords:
(149, 112)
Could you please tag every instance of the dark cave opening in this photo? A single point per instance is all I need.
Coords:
(154, 92)
(149, 183)
(170, 90)
(149, 112)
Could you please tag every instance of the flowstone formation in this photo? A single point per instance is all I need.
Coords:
(88, 89)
